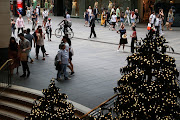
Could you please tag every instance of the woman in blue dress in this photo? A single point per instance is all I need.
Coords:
(86, 17)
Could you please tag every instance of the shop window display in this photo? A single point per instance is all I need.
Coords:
(75, 8)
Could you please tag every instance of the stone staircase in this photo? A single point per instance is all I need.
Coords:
(16, 103)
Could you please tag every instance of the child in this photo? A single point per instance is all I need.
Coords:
(134, 37)
(123, 37)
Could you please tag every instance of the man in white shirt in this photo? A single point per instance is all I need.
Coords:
(90, 13)
(20, 23)
(151, 18)
(45, 15)
(114, 20)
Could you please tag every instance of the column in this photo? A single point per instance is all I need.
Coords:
(82, 4)
(5, 28)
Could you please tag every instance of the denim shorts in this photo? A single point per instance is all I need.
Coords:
(121, 19)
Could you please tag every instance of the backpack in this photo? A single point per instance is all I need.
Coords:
(56, 63)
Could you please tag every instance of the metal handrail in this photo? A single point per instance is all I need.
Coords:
(10, 60)
(98, 106)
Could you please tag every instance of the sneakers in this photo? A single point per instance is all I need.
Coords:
(117, 50)
(72, 73)
(28, 74)
(58, 79)
(32, 61)
(23, 76)
(43, 58)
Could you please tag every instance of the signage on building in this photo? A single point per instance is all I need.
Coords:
(19, 6)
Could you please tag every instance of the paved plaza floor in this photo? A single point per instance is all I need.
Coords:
(96, 62)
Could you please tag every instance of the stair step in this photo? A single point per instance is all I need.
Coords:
(6, 115)
(26, 92)
(17, 99)
(18, 107)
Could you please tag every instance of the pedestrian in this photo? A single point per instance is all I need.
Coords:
(133, 18)
(157, 24)
(170, 19)
(13, 54)
(118, 14)
(24, 46)
(63, 57)
(90, 13)
(30, 37)
(71, 53)
(137, 16)
(40, 44)
(31, 9)
(28, 14)
(122, 17)
(37, 12)
(68, 16)
(20, 23)
(114, 20)
(86, 17)
(96, 12)
(92, 25)
(13, 26)
(161, 17)
(49, 29)
(134, 38)
(151, 18)
(34, 20)
(113, 10)
(107, 17)
(45, 15)
(123, 36)
(103, 17)
(127, 15)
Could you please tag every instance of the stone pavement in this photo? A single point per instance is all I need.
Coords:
(96, 64)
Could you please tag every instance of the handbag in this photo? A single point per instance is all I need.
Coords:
(167, 23)
(23, 57)
(149, 26)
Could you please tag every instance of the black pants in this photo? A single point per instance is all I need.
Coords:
(96, 17)
(21, 30)
(42, 49)
(49, 32)
(34, 24)
(25, 66)
(157, 30)
(92, 32)
(132, 44)
(106, 22)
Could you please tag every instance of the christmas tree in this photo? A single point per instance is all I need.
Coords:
(149, 87)
(53, 106)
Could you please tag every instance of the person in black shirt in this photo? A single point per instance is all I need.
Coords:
(107, 18)
(92, 25)
(66, 25)
(34, 20)
(96, 12)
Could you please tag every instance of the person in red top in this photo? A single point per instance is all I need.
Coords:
(134, 37)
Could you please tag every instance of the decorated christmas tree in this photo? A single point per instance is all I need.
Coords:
(148, 89)
(53, 106)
